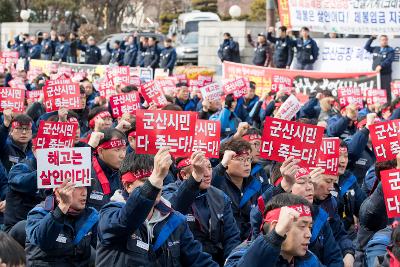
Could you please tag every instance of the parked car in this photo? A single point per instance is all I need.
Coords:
(188, 50)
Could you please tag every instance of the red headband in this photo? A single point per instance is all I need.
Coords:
(114, 143)
(131, 177)
(132, 134)
(273, 215)
(16, 124)
(243, 153)
(342, 149)
(73, 120)
(103, 114)
(301, 173)
(251, 137)
(184, 163)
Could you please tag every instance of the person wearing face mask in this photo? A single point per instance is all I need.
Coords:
(110, 151)
(139, 227)
(284, 239)
(348, 194)
(62, 230)
(233, 177)
(207, 209)
(183, 98)
(298, 182)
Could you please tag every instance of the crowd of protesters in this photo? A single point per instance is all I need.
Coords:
(238, 210)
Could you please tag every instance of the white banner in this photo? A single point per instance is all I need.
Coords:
(59, 164)
(342, 16)
(349, 55)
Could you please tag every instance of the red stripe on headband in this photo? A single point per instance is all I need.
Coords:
(73, 120)
(16, 124)
(184, 163)
(103, 115)
(343, 149)
(273, 215)
(132, 134)
(251, 137)
(301, 173)
(114, 143)
(131, 177)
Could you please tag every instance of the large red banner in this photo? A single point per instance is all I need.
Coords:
(282, 139)
(159, 128)
(391, 190)
(385, 139)
(304, 82)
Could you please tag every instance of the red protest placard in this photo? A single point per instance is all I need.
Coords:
(205, 79)
(282, 139)
(34, 95)
(391, 190)
(61, 93)
(124, 103)
(7, 57)
(57, 165)
(159, 128)
(238, 87)
(281, 83)
(106, 88)
(385, 139)
(152, 93)
(328, 156)
(135, 81)
(207, 138)
(167, 85)
(119, 75)
(376, 96)
(212, 92)
(13, 98)
(350, 95)
(56, 134)
(395, 88)
(17, 83)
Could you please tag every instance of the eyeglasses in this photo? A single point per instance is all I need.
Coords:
(24, 129)
(244, 160)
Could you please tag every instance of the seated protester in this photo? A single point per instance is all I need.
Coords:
(298, 182)
(318, 107)
(246, 103)
(361, 153)
(208, 210)
(372, 208)
(209, 108)
(15, 138)
(395, 109)
(377, 247)
(253, 136)
(23, 195)
(183, 98)
(90, 92)
(229, 121)
(110, 151)
(348, 194)
(139, 227)
(286, 234)
(343, 125)
(392, 256)
(117, 53)
(233, 177)
(11, 253)
(99, 119)
(272, 108)
(61, 230)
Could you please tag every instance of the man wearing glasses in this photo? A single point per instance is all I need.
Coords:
(15, 138)
(233, 176)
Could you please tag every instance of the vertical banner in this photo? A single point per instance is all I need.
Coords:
(207, 138)
(328, 156)
(391, 190)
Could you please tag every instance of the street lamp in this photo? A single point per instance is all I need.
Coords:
(235, 11)
(25, 14)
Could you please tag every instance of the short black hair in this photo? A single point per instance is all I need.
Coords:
(172, 107)
(305, 29)
(181, 84)
(283, 28)
(11, 252)
(276, 172)
(110, 133)
(252, 85)
(134, 162)
(385, 165)
(396, 241)
(168, 40)
(228, 34)
(253, 130)
(129, 88)
(343, 144)
(229, 99)
(22, 119)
